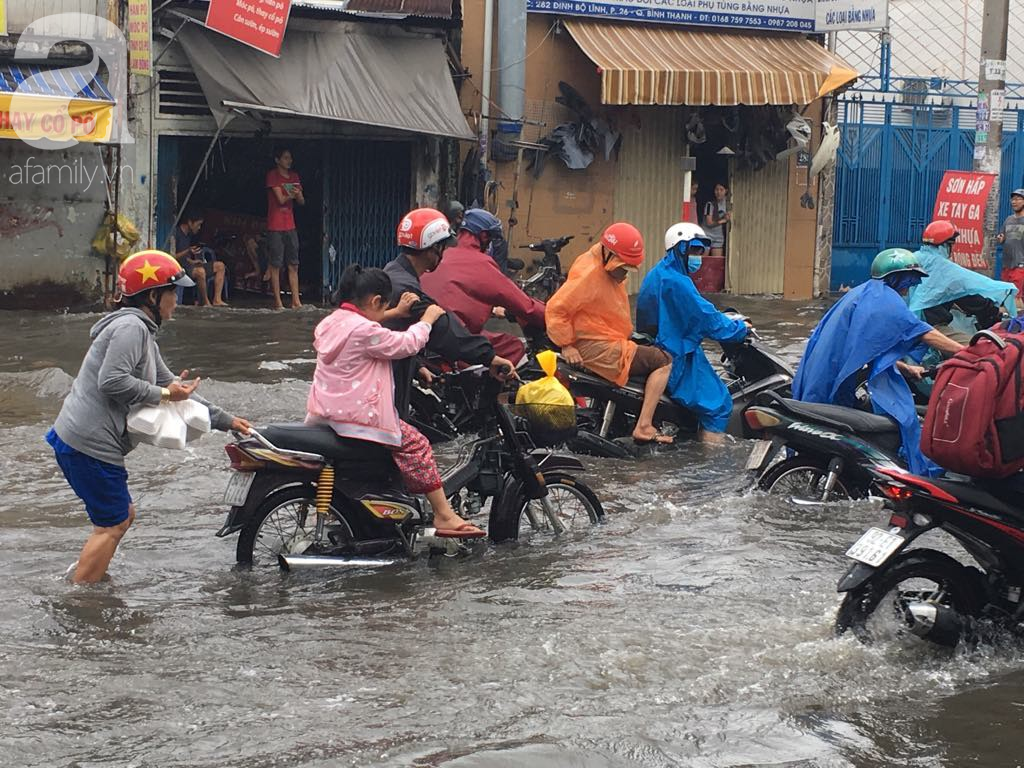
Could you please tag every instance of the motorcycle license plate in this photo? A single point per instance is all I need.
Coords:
(758, 454)
(874, 547)
(238, 488)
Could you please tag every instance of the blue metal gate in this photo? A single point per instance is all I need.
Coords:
(367, 190)
(890, 165)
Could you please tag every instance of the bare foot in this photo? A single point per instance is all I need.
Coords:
(448, 520)
(651, 435)
(296, 306)
(278, 306)
(221, 304)
(713, 438)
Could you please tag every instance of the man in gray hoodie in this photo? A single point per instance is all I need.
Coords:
(122, 369)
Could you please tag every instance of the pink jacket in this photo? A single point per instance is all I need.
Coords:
(353, 386)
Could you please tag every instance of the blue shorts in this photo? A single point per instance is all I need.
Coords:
(102, 486)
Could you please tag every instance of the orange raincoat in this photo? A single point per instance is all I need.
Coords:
(591, 313)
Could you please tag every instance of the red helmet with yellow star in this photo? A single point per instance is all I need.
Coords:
(146, 270)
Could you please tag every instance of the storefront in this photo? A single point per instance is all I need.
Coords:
(362, 108)
(655, 93)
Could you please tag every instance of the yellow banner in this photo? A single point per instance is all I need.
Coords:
(140, 37)
(3, 18)
(46, 117)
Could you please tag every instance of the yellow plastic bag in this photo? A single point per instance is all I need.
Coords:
(117, 242)
(547, 405)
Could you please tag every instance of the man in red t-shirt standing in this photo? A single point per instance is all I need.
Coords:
(284, 189)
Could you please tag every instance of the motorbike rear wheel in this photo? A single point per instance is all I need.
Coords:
(802, 478)
(575, 504)
(920, 575)
(284, 524)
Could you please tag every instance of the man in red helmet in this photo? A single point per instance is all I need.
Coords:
(953, 299)
(122, 369)
(470, 284)
(423, 235)
(589, 318)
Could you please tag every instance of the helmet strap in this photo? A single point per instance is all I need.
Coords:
(154, 307)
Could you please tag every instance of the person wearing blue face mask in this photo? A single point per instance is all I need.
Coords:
(871, 327)
(670, 308)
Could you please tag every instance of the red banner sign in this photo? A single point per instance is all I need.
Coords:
(962, 199)
(259, 23)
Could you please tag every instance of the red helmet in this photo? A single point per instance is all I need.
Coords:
(939, 232)
(625, 241)
(422, 228)
(146, 270)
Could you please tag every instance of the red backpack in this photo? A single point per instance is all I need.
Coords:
(975, 421)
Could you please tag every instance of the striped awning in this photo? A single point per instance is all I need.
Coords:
(54, 103)
(650, 64)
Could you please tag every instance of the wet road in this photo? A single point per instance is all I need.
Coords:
(692, 629)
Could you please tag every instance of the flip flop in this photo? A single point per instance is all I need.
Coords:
(464, 531)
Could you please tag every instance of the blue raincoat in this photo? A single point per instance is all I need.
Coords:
(669, 302)
(871, 325)
(947, 281)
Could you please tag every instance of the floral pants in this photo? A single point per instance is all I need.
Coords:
(415, 461)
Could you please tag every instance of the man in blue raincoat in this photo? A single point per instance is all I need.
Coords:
(871, 326)
(670, 305)
(954, 299)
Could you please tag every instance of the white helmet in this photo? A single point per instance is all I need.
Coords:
(682, 232)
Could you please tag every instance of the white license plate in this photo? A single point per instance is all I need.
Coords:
(238, 488)
(758, 454)
(874, 547)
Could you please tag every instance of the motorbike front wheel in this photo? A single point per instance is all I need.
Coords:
(803, 479)
(878, 609)
(574, 503)
(285, 523)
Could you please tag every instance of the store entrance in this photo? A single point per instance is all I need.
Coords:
(712, 169)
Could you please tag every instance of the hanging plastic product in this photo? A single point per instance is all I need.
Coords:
(547, 406)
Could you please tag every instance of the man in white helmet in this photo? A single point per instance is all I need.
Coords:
(670, 307)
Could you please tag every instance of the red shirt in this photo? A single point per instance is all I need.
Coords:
(280, 216)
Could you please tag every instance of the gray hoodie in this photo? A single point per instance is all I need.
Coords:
(123, 368)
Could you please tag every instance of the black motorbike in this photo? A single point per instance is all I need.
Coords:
(548, 278)
(609, 413)
(894, 592)
(302, 497)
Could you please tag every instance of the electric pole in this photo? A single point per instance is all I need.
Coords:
(988, 138)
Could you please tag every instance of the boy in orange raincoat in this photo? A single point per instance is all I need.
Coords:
(589, 318)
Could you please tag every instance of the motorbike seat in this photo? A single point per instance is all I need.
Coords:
(323, 440)
(860, 422)
(999, 496)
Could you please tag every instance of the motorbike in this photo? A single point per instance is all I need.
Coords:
(302, 497)
(829, 449)
(892, 591)
(548, 278)
(608, 413)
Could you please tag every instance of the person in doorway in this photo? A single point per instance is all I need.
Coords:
(872, 327)
(470, 284)
(953, 299)
(589, 318)
(122, 369)
(354, 389)
(423, 235)
(200, 262)
(1012, 238)
(716, 218)
(670, 308)
(692, 208)
(284, 190)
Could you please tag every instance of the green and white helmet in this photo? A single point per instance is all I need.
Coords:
(893, 260)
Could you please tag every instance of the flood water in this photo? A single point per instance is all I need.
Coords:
(694, 628)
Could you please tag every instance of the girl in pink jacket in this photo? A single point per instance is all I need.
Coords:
(354, 389)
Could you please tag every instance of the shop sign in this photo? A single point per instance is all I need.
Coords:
(791, 15)
(140, 37)
(962, 199)
(38, 118)
(257, 23)
(837, 15)
(778, 15)
(3, 18)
